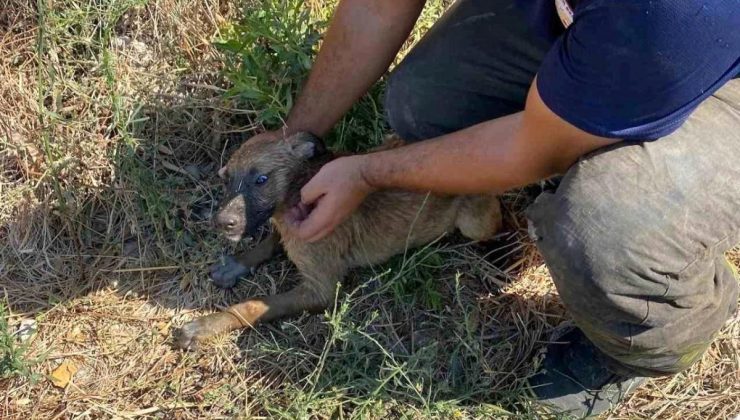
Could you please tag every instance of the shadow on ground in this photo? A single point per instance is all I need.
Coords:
(108, 265)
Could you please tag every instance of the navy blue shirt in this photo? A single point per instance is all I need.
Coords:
(636, 69)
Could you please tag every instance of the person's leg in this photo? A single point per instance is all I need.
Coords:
(634, 238)
(475, 64)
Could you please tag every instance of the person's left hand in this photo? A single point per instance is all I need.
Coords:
(333, 194)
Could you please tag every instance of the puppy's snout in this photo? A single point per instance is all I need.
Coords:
(225, 221)
(230, 219)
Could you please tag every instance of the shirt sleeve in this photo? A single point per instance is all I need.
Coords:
(636, 70)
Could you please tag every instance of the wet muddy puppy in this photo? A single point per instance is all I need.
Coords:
(264, 179)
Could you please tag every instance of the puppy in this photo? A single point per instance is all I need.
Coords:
(264, 179)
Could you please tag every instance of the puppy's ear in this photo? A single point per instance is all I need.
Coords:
(306, 145)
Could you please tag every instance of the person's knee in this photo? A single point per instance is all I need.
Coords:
(586, 261)
(587, 267)
(624, 287)
(601, 235)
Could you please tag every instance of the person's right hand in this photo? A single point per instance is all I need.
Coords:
(329, 198)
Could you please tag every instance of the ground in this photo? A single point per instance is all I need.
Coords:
(114, 115)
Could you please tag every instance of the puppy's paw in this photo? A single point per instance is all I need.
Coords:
(188, 335)
(226, 273)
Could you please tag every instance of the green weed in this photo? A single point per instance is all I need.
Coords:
(369, 368)
(268, 55)
(14, 361)
(416, 277)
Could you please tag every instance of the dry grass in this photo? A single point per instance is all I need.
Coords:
(112, 120)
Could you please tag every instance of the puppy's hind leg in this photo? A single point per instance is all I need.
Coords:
(226, 273)
(479, 216)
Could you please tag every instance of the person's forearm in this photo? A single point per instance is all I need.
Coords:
(493, 156)
(362, 40)
(482, 158)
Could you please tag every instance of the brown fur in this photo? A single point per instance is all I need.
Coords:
(387, 223)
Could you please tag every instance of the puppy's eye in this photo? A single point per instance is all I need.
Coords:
(261, 179)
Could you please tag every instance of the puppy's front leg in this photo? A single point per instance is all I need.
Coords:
(303, 297)
(226, 273)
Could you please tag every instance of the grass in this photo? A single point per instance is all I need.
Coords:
(14, 361)
(115, 115)
(268, 55)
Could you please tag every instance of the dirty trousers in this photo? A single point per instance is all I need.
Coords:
(635, 233)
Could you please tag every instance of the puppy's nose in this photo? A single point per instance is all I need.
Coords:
(225, 221)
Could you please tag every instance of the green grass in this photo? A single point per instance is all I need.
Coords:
(415, 280)
(269, 53)
(383, 354)
(14, 359)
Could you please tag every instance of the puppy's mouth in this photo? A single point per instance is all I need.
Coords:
(234, 234)
(236, 237)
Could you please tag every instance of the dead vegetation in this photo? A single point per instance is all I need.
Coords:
(112, 120)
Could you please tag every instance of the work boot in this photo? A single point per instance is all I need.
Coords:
(574, 378)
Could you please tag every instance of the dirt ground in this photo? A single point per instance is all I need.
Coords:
(113, 120)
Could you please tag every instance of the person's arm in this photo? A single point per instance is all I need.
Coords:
(493, 156)
(362, 40)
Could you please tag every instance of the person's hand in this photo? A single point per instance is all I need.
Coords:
(329, 198)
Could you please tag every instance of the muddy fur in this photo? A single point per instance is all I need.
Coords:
(264, 180)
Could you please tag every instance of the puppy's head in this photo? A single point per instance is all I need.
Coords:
(258, 178)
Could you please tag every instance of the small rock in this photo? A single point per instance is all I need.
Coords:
(121, 41)
(26, 329)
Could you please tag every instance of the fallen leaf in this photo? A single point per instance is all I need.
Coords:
(174, 167)
(23, 401)
(63, 374)
(165, 150)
